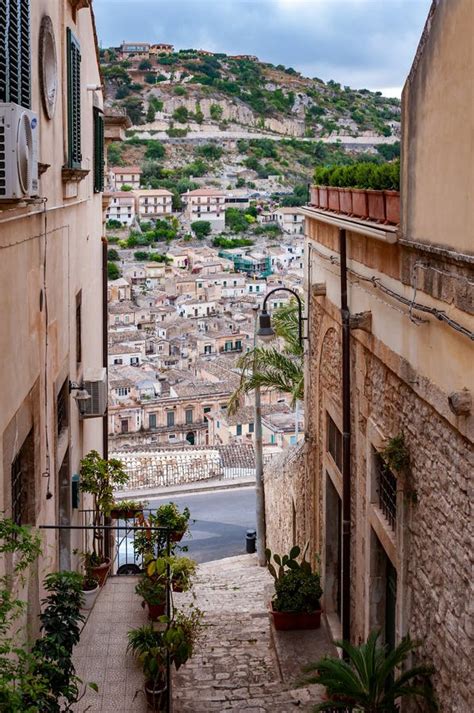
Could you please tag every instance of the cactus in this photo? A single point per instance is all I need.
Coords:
(288, 561)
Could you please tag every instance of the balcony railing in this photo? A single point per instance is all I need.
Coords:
(386, 486)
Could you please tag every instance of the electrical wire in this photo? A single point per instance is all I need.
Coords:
(411, 304)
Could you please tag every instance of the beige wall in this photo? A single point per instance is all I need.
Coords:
(438, 132)
(50, 251)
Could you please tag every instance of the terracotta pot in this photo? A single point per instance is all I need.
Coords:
(155, 692)
(392, 207)
(102, 571)
(333, 199)
(359, 203)
(345, 201)
(314, 196)
(289, 621)
(124, 514)
(323, 197)
(88, 597)
(156, 610)
(177, 536)
(176, 586)
(376, 206)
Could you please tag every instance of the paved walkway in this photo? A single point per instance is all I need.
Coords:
(235, 666)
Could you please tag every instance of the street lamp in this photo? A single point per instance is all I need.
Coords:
(266, 331)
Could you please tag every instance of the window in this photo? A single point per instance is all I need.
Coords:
(118, 361)
(238, 429)
(74, 101)
(15, 52)
(98, 151)
(334, 442)
(272, 438)
(189, 415)
(386, 486)
(170, 418)
(124, 425)
(152, 420)
(251, 427)
(62, 408)
(238, 344)
(293, 440)
(134, 361)
(123, 391)
(23, 483)
(79, 327)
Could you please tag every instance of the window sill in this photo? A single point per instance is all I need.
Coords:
(74, 175)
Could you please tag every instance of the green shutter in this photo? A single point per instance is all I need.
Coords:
(15, 52)
(74, 100)
(98, 151)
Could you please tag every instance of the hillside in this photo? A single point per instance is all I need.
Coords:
(201, 93)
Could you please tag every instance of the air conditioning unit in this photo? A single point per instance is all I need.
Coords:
(18, 153)
(95, 383)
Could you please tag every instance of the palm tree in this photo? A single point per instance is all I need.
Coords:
(271, 367)
(369, 680)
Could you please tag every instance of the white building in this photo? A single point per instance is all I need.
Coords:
(121, 207)
(153, 203)
(125, 176)
(290, 220)
(206, 204)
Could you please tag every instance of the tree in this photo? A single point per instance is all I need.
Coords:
(154, 150)
(212, 152)
(134, 109)
(216, 112)
(113, 255)
(113, 271)
(114, 154)
(373, 678)
(181, 114)
(272, 367)
(150, 78)
(201, 228)
(145, 65)
(235, 220)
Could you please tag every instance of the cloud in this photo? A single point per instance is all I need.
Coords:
(362, 43)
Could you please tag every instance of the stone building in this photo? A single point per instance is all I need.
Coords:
(410, 326)
(51, 275)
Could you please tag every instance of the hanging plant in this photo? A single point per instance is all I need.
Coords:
(396, 454)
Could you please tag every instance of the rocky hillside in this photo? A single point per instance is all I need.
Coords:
(194, 93)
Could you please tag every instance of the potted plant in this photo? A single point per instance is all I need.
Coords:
(372, 678)
(153, 592)
(90, 590)
(296, 603)
(126, 509)
(181, 635)
(182, 571)
(168, 515)
(147, 645)
(99, 477)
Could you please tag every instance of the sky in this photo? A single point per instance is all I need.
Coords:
(361, 43)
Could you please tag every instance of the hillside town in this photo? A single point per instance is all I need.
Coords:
(177, 328)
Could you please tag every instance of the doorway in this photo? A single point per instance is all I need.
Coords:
(190, 438)
(383, 593)
(64, 514)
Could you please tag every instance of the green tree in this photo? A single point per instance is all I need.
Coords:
(272, 367)
(114, 154)
(145, 65)
(181, 114)
(235, 220)
(150, 78)
(216, 112)
(212, 152)
(201, 228)
(113, 255)
(113, 271)
(154, 150)
(134, 109)
(180, 91)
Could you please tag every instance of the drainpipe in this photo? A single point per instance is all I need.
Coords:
(346, 445)
(105, 428)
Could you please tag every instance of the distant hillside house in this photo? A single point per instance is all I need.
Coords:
(125, 176)
(153, 203)
(290, 220)
(206, 204)
(130, 49)
(121, 207)
(161, 48)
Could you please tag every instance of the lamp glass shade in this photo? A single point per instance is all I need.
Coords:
(265, 330)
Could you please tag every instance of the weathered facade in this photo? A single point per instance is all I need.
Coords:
(51, 280)
(410, 297)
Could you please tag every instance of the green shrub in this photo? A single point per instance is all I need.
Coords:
(113, 224)
(141, 255)
(113, 255)
(180, 91)
(113, 271)
(212, 152)
(176, 133)
(365, 174)
(181, 114)
(201, 228)
(216, 112)
(154, 150)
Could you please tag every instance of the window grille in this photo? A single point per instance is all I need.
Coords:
(334, 442)
(15, 52)
(98, 151)
(386, 486)
(23, 483)
(62, 410)
(18, 494)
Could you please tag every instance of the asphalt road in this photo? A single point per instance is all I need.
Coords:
(219, 521)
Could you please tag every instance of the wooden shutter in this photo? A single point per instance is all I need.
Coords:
(15, 52)
(98, 151)
(74, 100)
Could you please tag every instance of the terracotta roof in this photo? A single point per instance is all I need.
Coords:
(205, 192)
(126, 169)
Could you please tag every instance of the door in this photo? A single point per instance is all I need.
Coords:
(390, 604)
